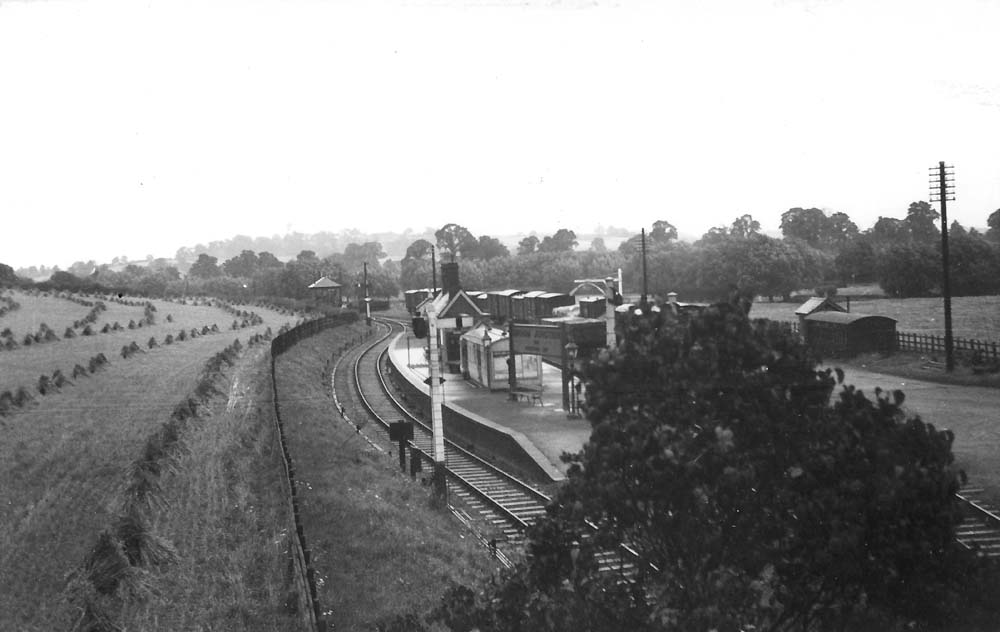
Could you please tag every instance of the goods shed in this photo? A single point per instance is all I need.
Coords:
(841, 334)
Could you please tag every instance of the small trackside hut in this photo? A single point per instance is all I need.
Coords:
(326, 290)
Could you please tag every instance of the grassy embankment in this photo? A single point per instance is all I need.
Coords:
(378, 547)
(63, 461)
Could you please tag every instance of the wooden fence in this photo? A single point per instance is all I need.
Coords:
(305, 575)
(927, 343)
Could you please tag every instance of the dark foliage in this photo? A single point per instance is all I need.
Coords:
(751, 495)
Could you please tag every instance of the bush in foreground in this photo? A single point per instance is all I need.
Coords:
(752, 499)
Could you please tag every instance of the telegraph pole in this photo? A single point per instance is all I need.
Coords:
(434, 274)
(645, 289)
(943, 190)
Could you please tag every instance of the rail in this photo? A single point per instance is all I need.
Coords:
(458, 455)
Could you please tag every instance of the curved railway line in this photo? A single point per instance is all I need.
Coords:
(508, 505)
(489, 496)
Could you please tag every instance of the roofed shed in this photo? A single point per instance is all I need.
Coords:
(841, 334)
(326, 289)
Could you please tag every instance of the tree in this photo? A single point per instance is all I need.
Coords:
(840, 231)
(597, 245)
(922, 221)
(419, 249)
(527, 245)
(974, 263)
(267, 260)
(490, 248)
(993, 223)
(356, 255)
(206, 267)
(7, 275)
(242, 265)
(455, 240)
(663, 232)
(888, 231)
(662, 235)
(808, 224)
(908, 269)
(855, 263)
(744, 226)
(563, 240)
(753, 499)
(83, 269)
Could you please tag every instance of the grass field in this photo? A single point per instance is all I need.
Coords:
(57, 313)
(23, 366)
(226, 514)
(975, 317)
(63, 459)
(378, 548)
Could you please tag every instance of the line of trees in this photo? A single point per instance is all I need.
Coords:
(248, 274)
(817, 252)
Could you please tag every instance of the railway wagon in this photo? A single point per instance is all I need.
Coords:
(522, 306)
(498, 303)
(593, 307)
(414, 298)
(541, 306)
(479, 298)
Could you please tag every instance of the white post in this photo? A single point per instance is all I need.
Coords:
(609, 310)
(437, 419)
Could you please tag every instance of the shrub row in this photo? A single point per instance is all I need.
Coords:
(8, 304)
(130, 350)
(118, 564)
(14, 399)
(47, 384)
(91, 316)
(75, 299)
(46, 334)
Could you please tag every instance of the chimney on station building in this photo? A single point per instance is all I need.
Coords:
(449, 278)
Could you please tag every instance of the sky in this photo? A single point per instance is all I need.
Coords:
(137, 127)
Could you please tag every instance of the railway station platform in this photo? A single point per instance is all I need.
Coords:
(539, 428)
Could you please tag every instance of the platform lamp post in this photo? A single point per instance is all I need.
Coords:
(571, 352)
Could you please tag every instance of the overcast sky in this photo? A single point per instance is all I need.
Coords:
(138, 127)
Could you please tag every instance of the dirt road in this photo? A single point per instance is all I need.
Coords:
(972, 413)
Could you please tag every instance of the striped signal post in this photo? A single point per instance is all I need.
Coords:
(610, 291)
(368, 300)
(943, 190)
(437, 419)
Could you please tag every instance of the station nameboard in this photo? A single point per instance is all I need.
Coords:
(543, 340)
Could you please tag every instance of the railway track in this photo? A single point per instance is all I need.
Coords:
(488, 495)
(980, 530)
(508, 505)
